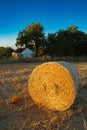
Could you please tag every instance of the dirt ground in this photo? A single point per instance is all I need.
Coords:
(18, 112)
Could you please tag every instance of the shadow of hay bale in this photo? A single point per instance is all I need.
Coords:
(80, 103)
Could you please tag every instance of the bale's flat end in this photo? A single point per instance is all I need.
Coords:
(54, 85)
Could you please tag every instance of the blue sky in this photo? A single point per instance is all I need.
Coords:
(53, 15)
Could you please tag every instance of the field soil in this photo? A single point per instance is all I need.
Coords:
(18, 111)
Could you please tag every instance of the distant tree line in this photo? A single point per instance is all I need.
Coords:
(69, 42)
(5, 52)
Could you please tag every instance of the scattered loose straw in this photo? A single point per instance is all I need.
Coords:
(54, 85)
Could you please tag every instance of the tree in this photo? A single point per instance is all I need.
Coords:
(72, 28)
(32, 34)
(21, 39)
(50, 45)
(71, 42)
(2, 51)
(5, 52)
(8, 51)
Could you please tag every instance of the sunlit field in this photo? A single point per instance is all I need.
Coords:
(18, 112)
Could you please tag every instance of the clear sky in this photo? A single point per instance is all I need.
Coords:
(53, 15)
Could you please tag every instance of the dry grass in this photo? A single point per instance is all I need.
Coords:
(18, 112)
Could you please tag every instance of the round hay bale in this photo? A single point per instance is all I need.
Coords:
(54, 85)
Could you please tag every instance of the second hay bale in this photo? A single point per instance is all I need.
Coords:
(54, 85)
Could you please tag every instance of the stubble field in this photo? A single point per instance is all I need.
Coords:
(18, 112)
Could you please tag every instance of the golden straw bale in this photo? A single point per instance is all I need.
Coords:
(54, 85)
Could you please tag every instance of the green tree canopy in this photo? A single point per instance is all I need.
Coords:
(50, 44)
(31, 35)
(72, 28)
(5, 52)
(71, 42)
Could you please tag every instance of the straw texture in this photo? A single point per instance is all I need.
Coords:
(54, 85)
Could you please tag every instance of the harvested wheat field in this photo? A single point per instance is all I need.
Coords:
(18, 111)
